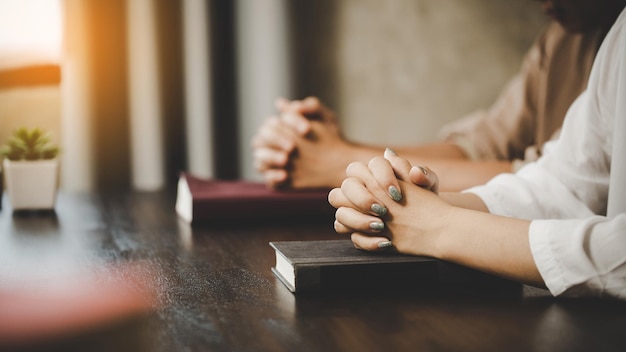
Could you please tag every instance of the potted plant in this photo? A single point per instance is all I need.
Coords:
(30, 169)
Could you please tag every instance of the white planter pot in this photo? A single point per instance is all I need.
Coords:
(31, 184)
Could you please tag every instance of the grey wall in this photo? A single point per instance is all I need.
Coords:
(397, 70)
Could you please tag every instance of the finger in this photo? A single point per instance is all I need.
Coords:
(282, 104)
(275, 134)
(383, 173)
(360, 171)
(298, 122)
(358, 196)
(269, 158)
(370, 243)
(311, 104)
(341, 228)
(401, 166)
(425, 178)
(350, 220)
(313, 109)
(305, 106)
(337, 199)
(275, 177)
(419, 175)
(345, 230)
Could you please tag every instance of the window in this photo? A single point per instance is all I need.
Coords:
(30, 42)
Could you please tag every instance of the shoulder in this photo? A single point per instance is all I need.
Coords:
(555, 44)
(617, 33)
(609, 67)
(611, 53)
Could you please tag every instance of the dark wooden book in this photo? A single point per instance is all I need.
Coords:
(337, 265)
(201, 200)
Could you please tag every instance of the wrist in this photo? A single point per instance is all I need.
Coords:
(343, 154)
(443, 233)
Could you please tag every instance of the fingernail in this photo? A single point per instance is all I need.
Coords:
(384, 244)
(424, 170)
(377, 225)
(379, 209)
(389, 151)
(395, 193)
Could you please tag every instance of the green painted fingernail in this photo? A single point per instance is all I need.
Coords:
(379, 209)
(385, 244)
(395, 193)
(377, 225)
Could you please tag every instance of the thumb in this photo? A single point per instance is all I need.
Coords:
(425, 178)
(401, 167)
(419, 175)
(315, 110)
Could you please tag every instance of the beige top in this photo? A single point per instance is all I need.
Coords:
(530, 110)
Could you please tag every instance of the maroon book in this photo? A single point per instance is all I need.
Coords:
(201, 200)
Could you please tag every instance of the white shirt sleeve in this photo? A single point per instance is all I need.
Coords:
(571, 181)
(576, 247)
(581, 257)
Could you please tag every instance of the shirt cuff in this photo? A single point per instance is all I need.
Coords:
(559, 250)
(539, 238)
(496, 198)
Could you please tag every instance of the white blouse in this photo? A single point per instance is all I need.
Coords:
(576, 194)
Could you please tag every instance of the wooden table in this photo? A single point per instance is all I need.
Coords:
(213, 290)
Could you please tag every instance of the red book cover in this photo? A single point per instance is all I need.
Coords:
(201, 200)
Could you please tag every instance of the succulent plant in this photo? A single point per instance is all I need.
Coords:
(27, 144)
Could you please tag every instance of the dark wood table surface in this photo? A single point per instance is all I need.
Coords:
(212, 290)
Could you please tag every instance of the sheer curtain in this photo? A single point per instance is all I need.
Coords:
(151, 88)
(30, 50)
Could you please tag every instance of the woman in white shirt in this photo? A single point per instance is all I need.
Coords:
(559, 223)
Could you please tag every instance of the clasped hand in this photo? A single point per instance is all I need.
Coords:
(300, 147)
(390, 203)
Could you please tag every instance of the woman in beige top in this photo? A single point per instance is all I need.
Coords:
(472, 150)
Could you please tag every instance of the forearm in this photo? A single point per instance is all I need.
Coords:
(490, 243)
(448, 161)
(438, 150)
(458, 175)
(465, 200)
(499, 245)
(417, 154)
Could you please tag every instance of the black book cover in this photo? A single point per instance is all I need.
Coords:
(338, 266)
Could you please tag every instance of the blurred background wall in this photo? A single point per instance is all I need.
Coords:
(395, 71)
